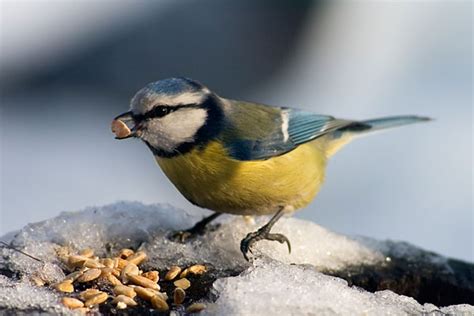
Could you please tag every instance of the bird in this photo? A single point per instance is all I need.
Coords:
(239, 157)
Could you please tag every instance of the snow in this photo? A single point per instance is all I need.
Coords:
(275, 282)
(269, 288)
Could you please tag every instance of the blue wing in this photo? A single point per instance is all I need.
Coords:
(257, 132)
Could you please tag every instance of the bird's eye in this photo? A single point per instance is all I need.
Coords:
(159, 111)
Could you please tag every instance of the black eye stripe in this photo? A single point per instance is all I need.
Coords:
(162, 110)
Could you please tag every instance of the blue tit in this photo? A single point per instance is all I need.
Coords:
(239, 157)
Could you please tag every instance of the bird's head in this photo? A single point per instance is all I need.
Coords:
(172, 116)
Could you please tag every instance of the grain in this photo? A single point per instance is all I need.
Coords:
(172, 273)
(124, 290)
(87, 294)
(137, 257)
(129, 269)
(178, 296)
(142, 281)
(65, 286)
(120, 129)
(89, 275)
(159, 304)
(124, 299)
(182, 283)
(71, 302)
(97, 299)
(152, 275)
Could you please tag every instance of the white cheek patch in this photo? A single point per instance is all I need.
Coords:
(175, 128)
(182, 125)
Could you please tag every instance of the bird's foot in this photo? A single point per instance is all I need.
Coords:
(261, 234)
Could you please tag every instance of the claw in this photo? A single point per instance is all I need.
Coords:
(253, 237)
(281, 239)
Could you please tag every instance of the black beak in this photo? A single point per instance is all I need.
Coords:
(127, 119)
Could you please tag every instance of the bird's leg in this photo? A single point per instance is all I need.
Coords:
(264, 233)
(198, 229)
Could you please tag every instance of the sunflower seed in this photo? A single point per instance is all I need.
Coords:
(120, 129)
(152, 275)
(178, 296)
(124, 299)
(71, 302)
(172, 273)
(97, 299)
(129, 269)
(137, 257)
(142, 281)
(65, 286)
(182, 283)
(124, 290)
(159, 304)
(89, 275)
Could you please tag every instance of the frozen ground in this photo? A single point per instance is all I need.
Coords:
(275, 283)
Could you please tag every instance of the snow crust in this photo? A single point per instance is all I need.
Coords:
(276, 282)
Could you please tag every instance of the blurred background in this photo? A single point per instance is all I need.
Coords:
(68, 67)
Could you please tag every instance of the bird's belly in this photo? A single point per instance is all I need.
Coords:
(211, 179)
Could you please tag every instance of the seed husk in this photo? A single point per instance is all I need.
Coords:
(125, 253)
(65, 286)
(120, 129)
(142, 281)
(178, 296)
(152, 275)
(113, 280)
(182, 283)
(71, 302)
(159, 304)
(89, 275)
(124, 290)
(88, 252)
(195, 308)
(97, 299)
(87, 294)
(121, 305)
(129, 269)
(172, 273)
(124, 299)
(137, 257)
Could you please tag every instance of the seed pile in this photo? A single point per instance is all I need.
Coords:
(120, 281)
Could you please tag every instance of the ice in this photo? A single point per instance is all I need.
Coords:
(275, 282)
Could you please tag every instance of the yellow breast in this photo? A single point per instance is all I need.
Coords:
(211, 179)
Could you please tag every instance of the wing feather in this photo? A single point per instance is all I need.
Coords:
(257, 132)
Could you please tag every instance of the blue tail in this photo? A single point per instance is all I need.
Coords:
(383, 123)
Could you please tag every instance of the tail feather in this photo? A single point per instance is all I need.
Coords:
(393, 121)
(343, 136)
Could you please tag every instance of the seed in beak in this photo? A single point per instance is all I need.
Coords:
(120, 129)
